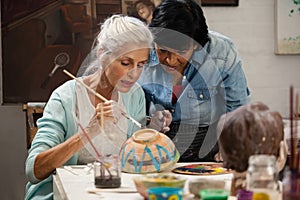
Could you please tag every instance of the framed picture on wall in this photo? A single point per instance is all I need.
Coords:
(219, 2)
(287, 25)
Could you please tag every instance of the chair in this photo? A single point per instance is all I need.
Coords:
(34, 110)
(76, 19)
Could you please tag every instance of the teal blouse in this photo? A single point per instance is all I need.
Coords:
(58, 124)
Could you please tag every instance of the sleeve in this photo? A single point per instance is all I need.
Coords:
(136, 108)
(234, 80)
(52, 128)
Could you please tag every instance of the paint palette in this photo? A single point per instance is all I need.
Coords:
(202, 169)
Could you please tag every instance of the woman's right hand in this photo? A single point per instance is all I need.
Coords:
(109, 111)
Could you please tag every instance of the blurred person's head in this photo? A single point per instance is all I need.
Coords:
(144, 9)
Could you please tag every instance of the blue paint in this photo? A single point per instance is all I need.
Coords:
(156, 165)
(142, 161)
(138, 161)
(159, 148)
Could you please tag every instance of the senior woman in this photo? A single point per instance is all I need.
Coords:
(122, 49)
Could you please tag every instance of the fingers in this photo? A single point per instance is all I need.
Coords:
(104, 109)
(161, 120)
(165, 129)
(218, 157)
(109, 110)
(168, 117)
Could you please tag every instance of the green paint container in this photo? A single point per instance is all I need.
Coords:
(214, 194)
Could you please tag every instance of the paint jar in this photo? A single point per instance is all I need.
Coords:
(107, 173)
(244, 195)
(262, 177)
(214, 194)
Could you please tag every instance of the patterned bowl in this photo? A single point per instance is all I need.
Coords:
(148, 151)
(147, 181)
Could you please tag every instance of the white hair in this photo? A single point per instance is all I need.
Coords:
(116, 32)
(119, 30)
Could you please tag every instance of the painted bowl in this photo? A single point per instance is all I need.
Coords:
(147, 181)
(164, 193)
(148, 151)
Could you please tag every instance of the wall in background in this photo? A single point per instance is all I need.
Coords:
(251, 25)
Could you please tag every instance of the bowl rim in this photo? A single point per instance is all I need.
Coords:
(148, 138)
(152, 176)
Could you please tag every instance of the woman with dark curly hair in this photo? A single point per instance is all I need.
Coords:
(194, 73)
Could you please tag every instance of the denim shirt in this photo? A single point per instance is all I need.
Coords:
(213, 83)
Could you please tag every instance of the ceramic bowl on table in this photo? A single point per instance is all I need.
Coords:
(165, 193)
(148, 151)
(147, 181)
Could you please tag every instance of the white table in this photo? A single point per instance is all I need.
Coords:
(75, 182)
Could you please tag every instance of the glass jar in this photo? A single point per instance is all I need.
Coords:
(262, 177)
(107, 173)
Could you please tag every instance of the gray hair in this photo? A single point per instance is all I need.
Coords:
(116, 32)
(119, 30)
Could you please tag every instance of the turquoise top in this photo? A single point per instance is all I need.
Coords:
(58, 124)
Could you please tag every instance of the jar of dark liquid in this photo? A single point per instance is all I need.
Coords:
(107, 173)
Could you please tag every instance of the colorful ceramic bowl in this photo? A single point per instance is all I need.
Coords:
(148, 151)
(145, 182)
(164, 193)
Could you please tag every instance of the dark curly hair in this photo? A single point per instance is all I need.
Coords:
(186, 20)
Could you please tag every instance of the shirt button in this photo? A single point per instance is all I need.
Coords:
(172, 110)
(201, 96)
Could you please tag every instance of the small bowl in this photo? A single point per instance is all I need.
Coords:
(164, 193)
(148, 151)
(196, 185)
(144, 182)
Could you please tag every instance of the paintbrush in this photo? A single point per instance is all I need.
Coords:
(292, 151)
(101, 97)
